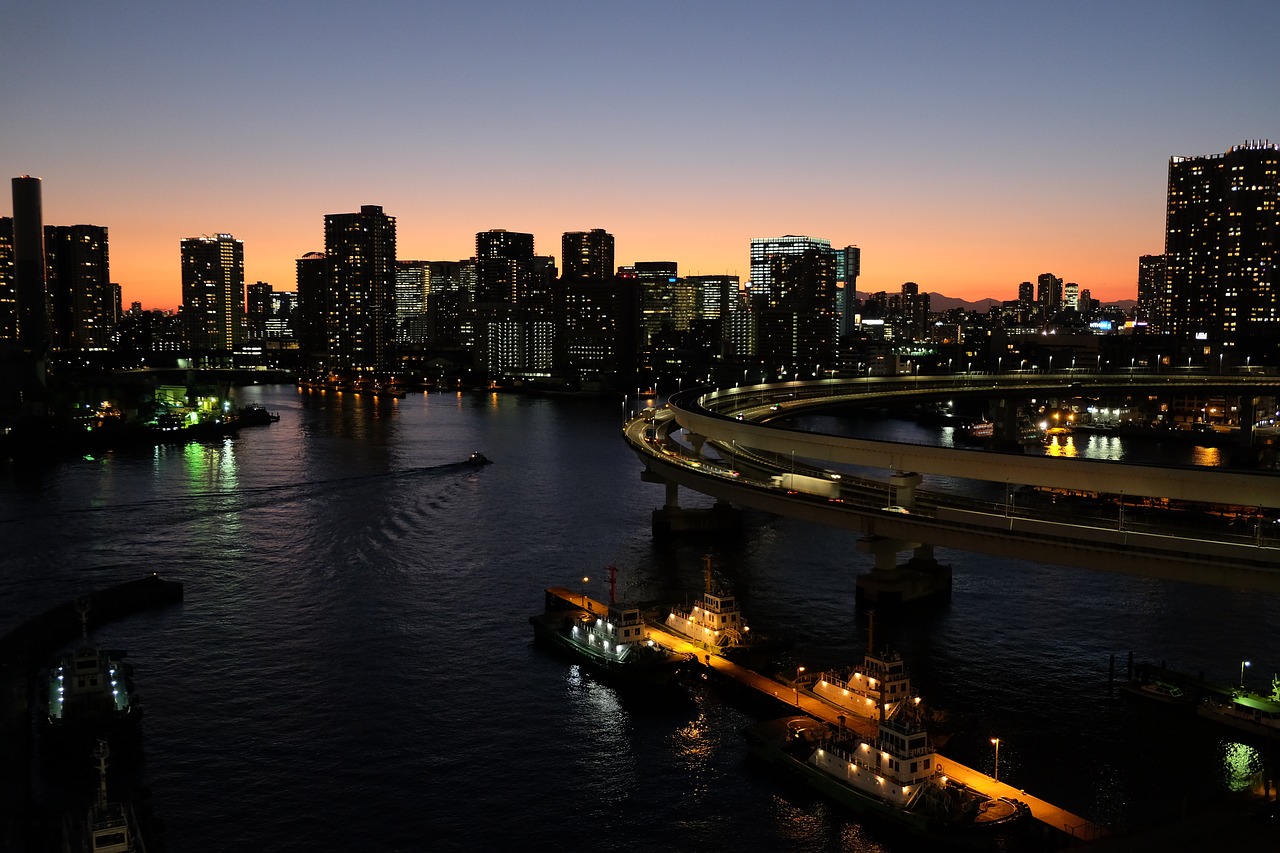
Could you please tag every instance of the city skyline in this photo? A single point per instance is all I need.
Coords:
(964, 149)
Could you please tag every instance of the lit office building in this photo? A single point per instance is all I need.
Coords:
(413, 283)
(764, 249)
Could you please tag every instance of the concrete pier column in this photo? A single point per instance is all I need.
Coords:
(673, 497)
(891, 583)
(696, 441)
(904, 485)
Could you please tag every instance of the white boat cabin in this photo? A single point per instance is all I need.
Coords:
(714, 620)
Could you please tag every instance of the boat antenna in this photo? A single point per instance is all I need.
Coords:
(613, 583)
(871, 631)
(707, 558)
(101, 751)
(82, 605)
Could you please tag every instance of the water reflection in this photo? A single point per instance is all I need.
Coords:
(1241, 766)
(1061, 445)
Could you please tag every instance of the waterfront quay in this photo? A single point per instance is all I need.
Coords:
(722, 668)
(1054, 818)
(1051, 816)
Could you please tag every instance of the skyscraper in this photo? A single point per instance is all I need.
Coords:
(1150, 287)
(764, 249)
(81, 296)
(213, 292)
(8, 299)
(587, 255)
(311, 322)
(360, 250)
(1222, 238)
(257, 301)
(30, 273)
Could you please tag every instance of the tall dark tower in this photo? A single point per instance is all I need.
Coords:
(30, 273)
(311, 322)
(361, 252)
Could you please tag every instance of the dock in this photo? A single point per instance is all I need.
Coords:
(1054, 817)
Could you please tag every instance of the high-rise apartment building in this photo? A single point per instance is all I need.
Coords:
(81, 296)
(8, 298)
(360, 253)
(1150, 287)
(504, 262)
(1222, 238)
(1049, 293)
(587, 255)
(257, 310)
(213, 292)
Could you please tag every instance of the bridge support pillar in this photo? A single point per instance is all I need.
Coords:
(671, 519)
(904, 485)
(890, 583)
(696, 441)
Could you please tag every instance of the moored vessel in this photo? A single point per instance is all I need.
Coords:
(612, 639)
(894, 775)
(877, 686)
(715, 622)
(1250, 712)
(89, 691)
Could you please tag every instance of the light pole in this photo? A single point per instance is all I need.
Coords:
(796, 684)
(1243, 665)
(995, 741)
(584, 593)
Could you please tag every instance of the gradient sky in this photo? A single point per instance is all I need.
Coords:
(966, 146)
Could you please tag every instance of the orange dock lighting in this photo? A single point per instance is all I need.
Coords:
(995, 741)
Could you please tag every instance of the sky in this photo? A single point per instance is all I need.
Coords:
(966, 146)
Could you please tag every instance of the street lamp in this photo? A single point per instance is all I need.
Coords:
(584, 592)
(1243, 665)
(995, 741)
(796, 684)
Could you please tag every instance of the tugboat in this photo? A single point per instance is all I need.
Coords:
(715, 623)
(612, 640)
(111, 825)
(894, 775)
(89, 692)
(879, 685)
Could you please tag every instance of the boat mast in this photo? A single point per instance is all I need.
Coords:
(707, 559)
(613, 583)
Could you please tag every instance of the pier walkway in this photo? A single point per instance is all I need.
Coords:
(806, 702)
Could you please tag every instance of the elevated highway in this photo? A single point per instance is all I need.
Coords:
(738, 420)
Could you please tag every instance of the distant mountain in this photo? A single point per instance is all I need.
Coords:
(938, 302)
